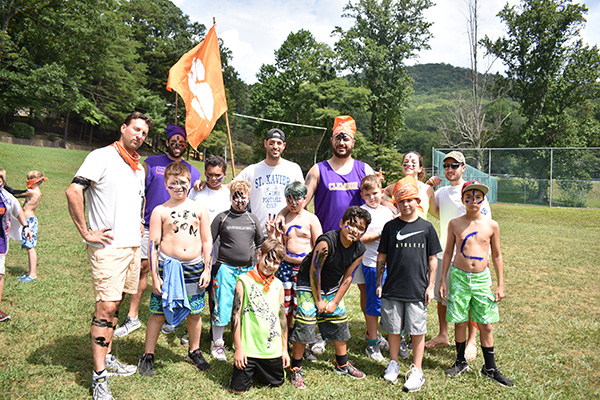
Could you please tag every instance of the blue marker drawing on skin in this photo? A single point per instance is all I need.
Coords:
(462, 247)
(290, 228)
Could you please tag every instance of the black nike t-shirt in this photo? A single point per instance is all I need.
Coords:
(408, 246)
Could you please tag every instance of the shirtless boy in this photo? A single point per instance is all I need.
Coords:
(297, 231)
(179, 239)
(470, 280)
(33, 195)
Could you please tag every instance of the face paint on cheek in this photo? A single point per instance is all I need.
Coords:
(239, 199)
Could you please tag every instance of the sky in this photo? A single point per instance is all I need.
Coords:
(254, 29)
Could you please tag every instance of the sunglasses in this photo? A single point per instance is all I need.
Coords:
(453, 165)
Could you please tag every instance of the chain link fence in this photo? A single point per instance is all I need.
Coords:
(551, 176)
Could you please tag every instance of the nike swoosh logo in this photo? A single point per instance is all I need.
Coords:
(400, 237)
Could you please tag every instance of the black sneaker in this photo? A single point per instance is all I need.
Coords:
(494, 374)
(197, 358)
(458, 368)
(146, 365)
(350, 370)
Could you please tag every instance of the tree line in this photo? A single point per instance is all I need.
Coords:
(81, 66)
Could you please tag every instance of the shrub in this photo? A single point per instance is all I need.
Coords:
(22, 130)
(53, 137)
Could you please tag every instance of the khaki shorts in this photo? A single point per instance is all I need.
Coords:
(114, 271)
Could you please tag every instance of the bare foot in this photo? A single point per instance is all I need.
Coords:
(437, 342)
(470, 352)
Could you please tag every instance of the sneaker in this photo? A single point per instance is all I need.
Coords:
(415, 379)
(403, 351)
(115, 367)
(197, 358)
(27, 278)
(458, 368)
(146, 365)
(381, 341)
(350, 370)
(167, 328)
(21, 276)
(392, 371)
(319, 346)
(128, 326)
(100, 390)
(185, 340)
(309, 355)
(296, 378)
(4, 316)
(495, 375)
(374, 353)
(217, 350)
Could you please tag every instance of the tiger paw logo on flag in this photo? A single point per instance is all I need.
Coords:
(203, 101)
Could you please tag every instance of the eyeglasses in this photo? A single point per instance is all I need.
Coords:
(454, 165)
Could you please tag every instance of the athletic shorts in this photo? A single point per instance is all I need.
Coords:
(288, 274)
(196, 304)
(438, 277)
(266, 371)
(223, 290)
(332, 326)
(144, 245)
(471, 291)
(357, 276)
(114, 271)
(373, 302)
(2, 261)
(33, 225)
(398, 315)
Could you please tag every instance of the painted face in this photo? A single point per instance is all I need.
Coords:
(372, 197)
(295, 205)
(406, 207)
(353, 229)
(239, 201)
(178, 186)
(473, 198)
(214, 176)
(176, 146)
(453, 174)
(268, 264)
(342, 145)
(274, 148)
(410, 165)
(134, 134)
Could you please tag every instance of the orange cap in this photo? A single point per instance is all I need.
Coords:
(406, 188)
(344, 124)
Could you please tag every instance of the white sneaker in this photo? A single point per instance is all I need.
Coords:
(319, 346)
(128, 326)
(115, 367)
(217, 350)
(167, 328)
(415, 379)
(374, 353)
(392, 371)
(100, 390)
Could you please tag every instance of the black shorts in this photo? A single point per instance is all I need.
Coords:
(266, 371)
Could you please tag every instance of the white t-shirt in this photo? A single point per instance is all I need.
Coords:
(10, 223)
(379, 217)
(216, 201)
(115, 197)
(267, 184)
(449, 201)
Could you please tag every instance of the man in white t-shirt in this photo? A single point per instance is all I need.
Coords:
(113, 180)
(448, 205)
(269, 177)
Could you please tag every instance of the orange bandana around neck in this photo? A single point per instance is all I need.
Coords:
(259, 278)
(33, 181)
(132, 159)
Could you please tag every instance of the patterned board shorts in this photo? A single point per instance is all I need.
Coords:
(471, 291)
(288, 274)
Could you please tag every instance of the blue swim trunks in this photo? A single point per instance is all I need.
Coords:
(33, 225)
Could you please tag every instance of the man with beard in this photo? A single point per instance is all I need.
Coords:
(156, 194)
(335, 183)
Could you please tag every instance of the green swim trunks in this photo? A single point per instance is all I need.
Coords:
(471, 291)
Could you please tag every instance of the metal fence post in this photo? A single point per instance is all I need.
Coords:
(551, 171)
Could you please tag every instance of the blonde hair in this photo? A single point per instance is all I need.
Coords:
(3, 174)
(240, 186)
(35, 174)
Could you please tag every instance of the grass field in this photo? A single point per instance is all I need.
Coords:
(547, 339)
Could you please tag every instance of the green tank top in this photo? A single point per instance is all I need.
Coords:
(260, 325)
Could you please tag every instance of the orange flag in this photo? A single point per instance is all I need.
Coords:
(198, 79)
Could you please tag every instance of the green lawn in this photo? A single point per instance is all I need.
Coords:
(546, 341)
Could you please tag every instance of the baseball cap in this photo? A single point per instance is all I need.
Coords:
(276, 134)
(474, 185)
(344, 124)
(457, 155)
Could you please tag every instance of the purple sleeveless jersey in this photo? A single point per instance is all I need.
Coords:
(156, 192)
(335, 193)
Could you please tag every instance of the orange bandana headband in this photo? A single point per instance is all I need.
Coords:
(406, 188)
(31, 182)
(132, 159)
(344, 124)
